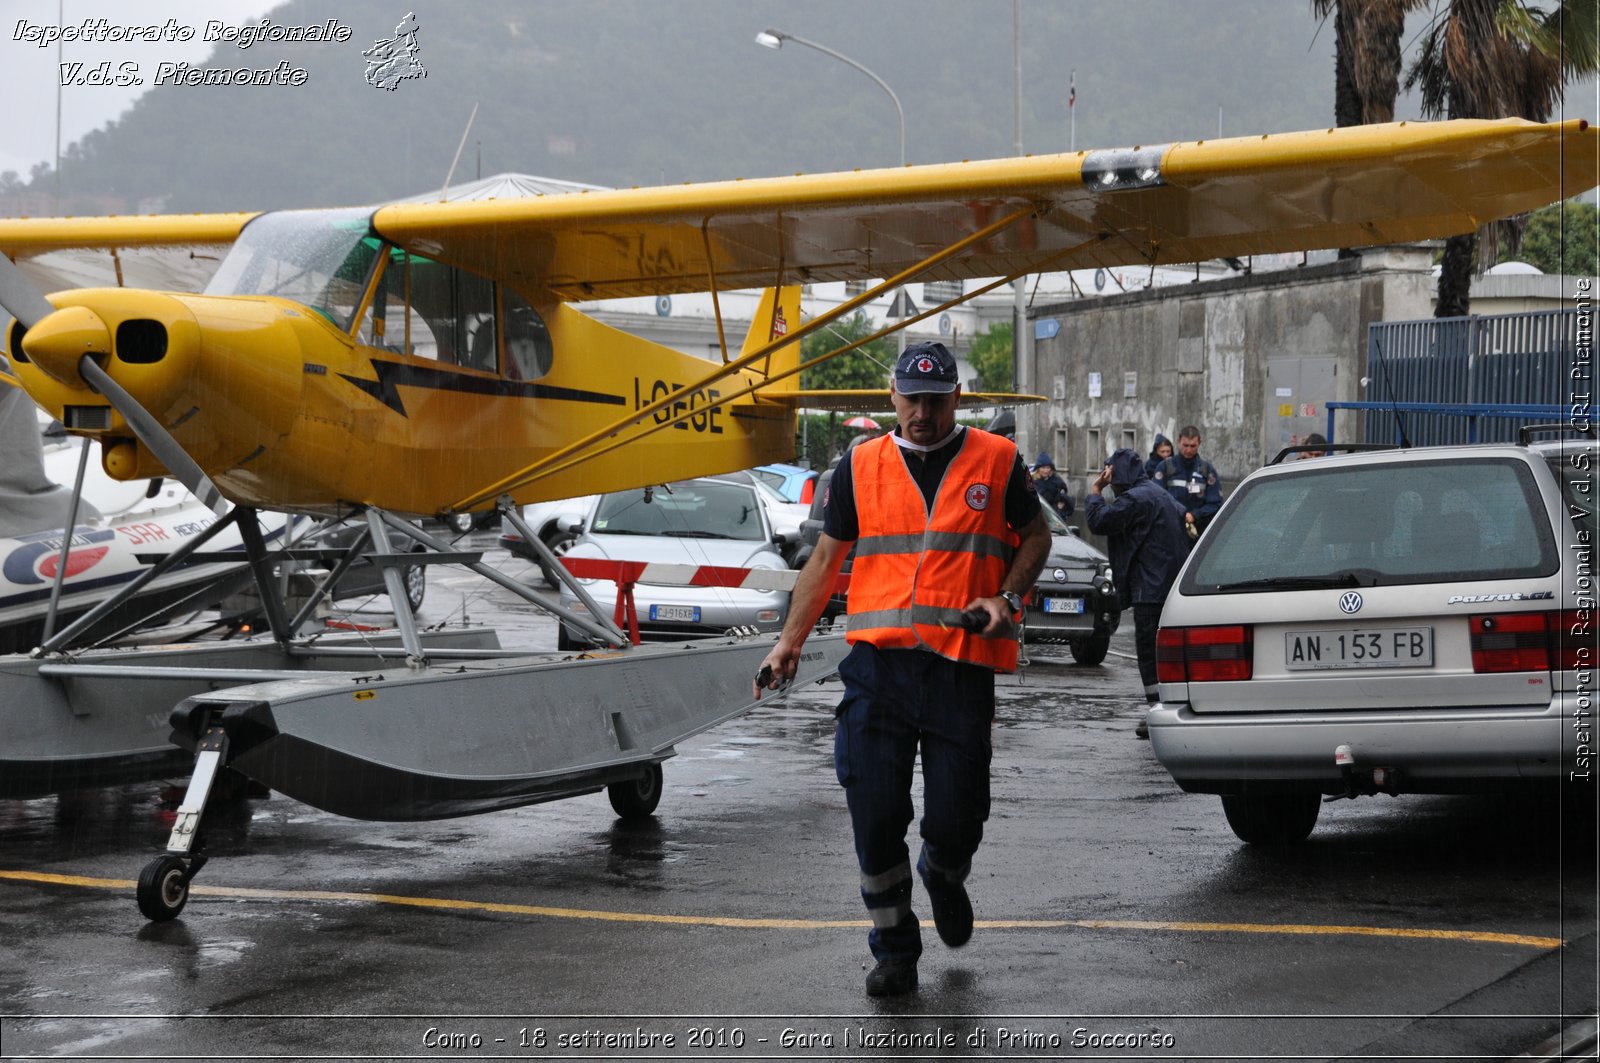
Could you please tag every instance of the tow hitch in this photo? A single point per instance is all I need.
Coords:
(1361, 782)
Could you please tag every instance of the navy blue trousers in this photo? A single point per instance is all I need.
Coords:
(895, 702)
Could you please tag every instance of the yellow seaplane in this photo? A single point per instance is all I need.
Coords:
(424, 358)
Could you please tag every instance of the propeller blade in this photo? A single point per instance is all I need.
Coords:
(19, 297)
(166, 449)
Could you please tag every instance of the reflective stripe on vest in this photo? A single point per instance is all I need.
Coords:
(914, 571)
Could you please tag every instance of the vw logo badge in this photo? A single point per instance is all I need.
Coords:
(1350, 602)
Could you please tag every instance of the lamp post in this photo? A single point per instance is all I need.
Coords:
(771, 38)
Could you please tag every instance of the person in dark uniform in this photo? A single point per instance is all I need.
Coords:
(944, 521)
(1192, 481)
(1144, 530)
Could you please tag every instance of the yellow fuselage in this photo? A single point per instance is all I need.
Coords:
(285, 411)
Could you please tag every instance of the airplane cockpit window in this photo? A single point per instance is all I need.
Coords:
(321, 259)
(529, 353)
(430, 310)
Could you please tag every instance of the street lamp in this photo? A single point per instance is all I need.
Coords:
(771, 38)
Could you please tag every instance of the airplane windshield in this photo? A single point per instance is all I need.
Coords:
(318, 258)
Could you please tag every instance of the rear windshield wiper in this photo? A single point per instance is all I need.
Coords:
(1295, 583)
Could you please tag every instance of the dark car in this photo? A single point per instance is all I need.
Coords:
(1075, 598)
(362, 578)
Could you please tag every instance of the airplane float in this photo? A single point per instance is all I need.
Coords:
(423, 359)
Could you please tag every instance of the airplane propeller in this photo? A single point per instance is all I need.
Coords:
(157, 439)
(27, 304)
(19, 297)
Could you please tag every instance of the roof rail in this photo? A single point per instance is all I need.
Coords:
(1327, 448)
(1526, 432)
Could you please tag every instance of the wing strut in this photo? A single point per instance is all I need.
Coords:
(582, 446)
(711, 279)
(529, 476)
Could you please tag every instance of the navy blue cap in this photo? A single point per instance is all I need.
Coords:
(926, 368)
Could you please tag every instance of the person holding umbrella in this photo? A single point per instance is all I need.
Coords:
(869, 427)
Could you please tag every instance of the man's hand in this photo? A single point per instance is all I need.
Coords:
(1103, 480)
(999, 611)
(777, 669)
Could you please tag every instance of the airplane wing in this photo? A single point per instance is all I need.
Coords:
(1182, 202)
(161, 252)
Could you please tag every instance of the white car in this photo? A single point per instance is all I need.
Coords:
(556, 523)
(716, 522)
(1396, 621)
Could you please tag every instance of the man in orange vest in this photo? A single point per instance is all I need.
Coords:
(944, 520)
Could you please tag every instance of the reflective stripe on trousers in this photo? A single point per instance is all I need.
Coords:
(895, 703)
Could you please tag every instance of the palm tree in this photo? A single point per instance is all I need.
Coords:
(1497, 59)
(1366, 56)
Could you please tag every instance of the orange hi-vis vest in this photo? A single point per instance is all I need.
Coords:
(914, 571)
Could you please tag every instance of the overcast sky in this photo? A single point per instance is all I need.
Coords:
(29, 74)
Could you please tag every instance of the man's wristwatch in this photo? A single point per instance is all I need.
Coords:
(1013, 599)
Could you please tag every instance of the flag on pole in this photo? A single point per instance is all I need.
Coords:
(1072, 89)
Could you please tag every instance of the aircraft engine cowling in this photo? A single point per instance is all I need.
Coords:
(147, 341)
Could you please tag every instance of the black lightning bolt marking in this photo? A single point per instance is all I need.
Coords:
(392, 376)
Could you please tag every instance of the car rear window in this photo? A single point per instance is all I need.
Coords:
(1375, 525)
(1575, 472)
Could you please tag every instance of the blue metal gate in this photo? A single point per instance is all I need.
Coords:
(1502, 359)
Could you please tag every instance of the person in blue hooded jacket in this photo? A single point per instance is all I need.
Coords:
(1050, 487)
(1143, 526)
(1160, 452)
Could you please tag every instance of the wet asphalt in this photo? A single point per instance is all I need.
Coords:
(1117, 916)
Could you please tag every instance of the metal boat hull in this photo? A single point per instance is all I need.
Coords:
(100, 718)
(460, 739)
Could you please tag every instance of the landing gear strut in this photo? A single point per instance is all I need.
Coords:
(164, 883)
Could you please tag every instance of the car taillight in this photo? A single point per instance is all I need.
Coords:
(1204, 654)
(1530, 642)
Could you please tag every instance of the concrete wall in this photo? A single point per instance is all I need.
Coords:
(1250, 360)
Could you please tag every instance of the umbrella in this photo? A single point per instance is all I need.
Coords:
(861, 422)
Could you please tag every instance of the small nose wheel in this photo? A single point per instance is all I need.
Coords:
(164, 887)
(637, 798)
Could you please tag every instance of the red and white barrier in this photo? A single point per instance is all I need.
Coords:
(627, 573)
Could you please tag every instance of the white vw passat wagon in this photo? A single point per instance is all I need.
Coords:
(1417, 620)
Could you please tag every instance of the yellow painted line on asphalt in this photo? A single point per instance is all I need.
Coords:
(446, 904)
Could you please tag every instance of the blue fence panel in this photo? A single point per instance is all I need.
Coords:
(1503, 359)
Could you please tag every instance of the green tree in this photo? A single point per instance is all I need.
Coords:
(991, 356)
(868, 366)
(1562, 238)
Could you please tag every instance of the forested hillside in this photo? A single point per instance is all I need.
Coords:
(624, 92)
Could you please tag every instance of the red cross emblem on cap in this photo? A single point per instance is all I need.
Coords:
(924, 365)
